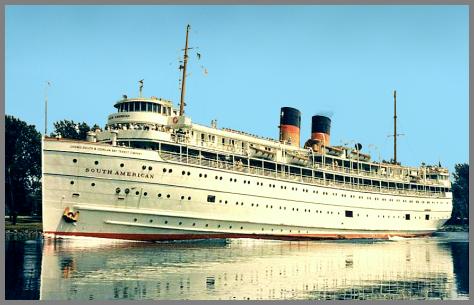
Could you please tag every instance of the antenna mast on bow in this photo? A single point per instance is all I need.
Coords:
(185, 61)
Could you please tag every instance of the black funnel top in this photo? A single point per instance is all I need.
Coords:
(321, 123)
(290, 116)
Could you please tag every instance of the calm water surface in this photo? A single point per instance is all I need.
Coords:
(83, 269)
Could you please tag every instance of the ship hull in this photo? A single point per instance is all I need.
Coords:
(134, 194)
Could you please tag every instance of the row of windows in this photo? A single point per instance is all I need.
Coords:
(348, 213)
(127, 191)
(212, 199)
(144, 107)
(144, 167)
(297, 170)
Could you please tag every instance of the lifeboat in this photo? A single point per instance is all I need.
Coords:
(295, 157)
(261, 152)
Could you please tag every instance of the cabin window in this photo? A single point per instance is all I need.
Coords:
(407, 216)
(142, 106)
(427, 217)
(294, 170)
(170, 148)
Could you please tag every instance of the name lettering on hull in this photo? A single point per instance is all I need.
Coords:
(118, 173)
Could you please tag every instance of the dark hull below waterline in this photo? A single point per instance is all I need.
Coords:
(294, 237)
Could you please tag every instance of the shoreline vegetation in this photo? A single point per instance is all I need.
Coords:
(28, 228)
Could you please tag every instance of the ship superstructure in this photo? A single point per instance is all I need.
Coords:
(153, 174)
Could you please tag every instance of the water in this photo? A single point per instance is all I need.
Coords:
(91, 269)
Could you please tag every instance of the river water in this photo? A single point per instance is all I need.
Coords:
(240, 269)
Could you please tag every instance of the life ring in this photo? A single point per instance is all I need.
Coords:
(70, 216)
(175, 120)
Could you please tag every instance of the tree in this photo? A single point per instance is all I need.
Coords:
(460, 188)
(22, 166)
(71, 130)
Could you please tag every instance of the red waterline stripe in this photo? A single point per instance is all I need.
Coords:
(164, 237)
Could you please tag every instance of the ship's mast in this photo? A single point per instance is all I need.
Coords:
(395, 126)
(185, 61)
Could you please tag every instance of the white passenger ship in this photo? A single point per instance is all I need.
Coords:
(153, 174)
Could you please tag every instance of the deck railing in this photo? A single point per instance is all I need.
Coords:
(245, 168)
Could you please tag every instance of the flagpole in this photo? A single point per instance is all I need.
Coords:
(48, 83)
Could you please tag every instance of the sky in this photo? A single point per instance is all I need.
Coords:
(341, 61)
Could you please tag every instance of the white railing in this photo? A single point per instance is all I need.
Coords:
(244, 168)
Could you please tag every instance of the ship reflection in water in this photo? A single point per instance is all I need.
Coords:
(424, 268)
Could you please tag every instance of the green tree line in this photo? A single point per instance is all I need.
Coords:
(23, 163)
(23, 169)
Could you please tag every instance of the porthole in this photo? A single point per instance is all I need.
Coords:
(168, 196)
(135, 220)
(220, 178)
(263, 229)
(225, 202)
(144, 194)
(117, 190)
(164, 170)
(180, 223)
(121, 165)
(200, 175)
(127, 191)
(207, 225)
(96, 162)
(92, 184)
(188, 173)
(170, 171)
(159, 195)
(143, 167)
(151, 220)
(137, 192)
(241, 228)
(182, 197)
(183, 173)
(218, 226)
(216, 177)
(194, 224)
(166, 221)
(74, 160)
(205, 175)
(189, 198)
(150, 168)
(72, 182)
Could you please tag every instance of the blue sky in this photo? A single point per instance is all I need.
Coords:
(339, 60)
